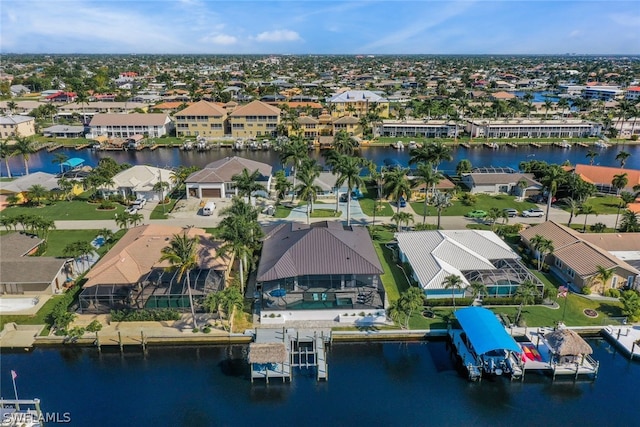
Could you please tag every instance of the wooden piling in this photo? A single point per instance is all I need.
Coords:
(120, 341)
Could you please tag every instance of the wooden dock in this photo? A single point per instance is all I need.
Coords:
(153, 147)
(535, 144)
(512, 144)
(82, 146)
(581, 144)
(465, 145)
(53, 147)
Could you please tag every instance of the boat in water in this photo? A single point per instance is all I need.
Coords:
(601, 144)
(399, 145)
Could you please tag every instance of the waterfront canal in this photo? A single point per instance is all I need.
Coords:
(372, 384)
(479, 156)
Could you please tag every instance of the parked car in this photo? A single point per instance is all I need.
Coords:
(140, 201)
(132, 209)
(534, 212)
(510, 212)
(478, 213)
(343, 197)
(402, 202)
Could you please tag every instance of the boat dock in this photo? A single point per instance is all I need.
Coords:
(581, 144)
(275, 352)
(82, 146)
(467, 358)
(535, 144)
(625, 338)
(21, 412)
(512, 144)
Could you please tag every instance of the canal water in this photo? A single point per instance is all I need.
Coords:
(372, 384)
(479, 156)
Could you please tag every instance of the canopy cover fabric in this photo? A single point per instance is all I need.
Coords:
(484, 331)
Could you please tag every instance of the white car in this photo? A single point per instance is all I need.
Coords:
(140, 201)
(132, 209)
(534, 212)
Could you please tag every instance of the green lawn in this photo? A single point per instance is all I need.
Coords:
(40, 318)
(63, 210)
(603, 205)
(384, 208)
(393, 279)
(325, 213)
(484, 202)
(282, 212)
(162, 211)
(59, 239)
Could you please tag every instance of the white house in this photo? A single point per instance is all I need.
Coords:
(139, 181)
(216, 179)
(153, 125)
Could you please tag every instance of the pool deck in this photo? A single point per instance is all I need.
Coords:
(30, 311)
(626, 338)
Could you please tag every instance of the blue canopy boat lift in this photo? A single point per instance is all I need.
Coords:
(484, 346)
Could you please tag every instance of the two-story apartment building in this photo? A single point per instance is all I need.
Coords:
(358, 103)
(256, 119)
(526, 128)
(153, 125)
(11, 126)
(203, 118)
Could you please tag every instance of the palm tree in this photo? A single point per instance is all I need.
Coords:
(526, 293)
(307, 188)
(603, 275)
(574, 206)
(463, 166)
(107, 234)
(403, 307)
(402, 218)
(619, 182)
(551, 180)
(123, 220)
(396, 185)
(181, 254)
(246, 183)
(36, 193)
(59, 159)
(6, 151)
(625, 198)
(66, 186)
(494, 214)
(24, 147)
(455, 283)
(477, 289)
(586, 210)
(349, 169)
(431, 153)
(282, 185)
(591, 155)
(294, 153)
(622, 157)
(441, 201)
(522, 188)
(630, 222)
(426, 175)
(343, 143)
(542, 246)
(160, 187)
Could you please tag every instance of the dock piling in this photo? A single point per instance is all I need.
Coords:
(120, 341)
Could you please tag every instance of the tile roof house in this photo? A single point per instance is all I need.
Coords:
(318, 271)
(473, 255)
(216, 179)
(20, 186)
(575, 258)
(153, 125)
(256, 119)
(203, 118)
(138, 181)
(131, 274)
(495, 183)
(357, 102)
(24, 274)
(601, 176)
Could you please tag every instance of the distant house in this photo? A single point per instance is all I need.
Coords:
(532, 128)
(203, 118)
(63, 131)
(504, 96)
(216, 179)
(153, 125)
(24, 274)
(576, 257)
(473, 255)
(131, 274)
(62, 96)
(19, 90)
(20, 186)
(327, 183)
(358, 103)
(501, 183)
(12, 126)
(319, 272)
(138, 181)
(602, 176)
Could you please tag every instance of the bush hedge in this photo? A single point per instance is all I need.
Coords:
(461, 302)
(155, 315)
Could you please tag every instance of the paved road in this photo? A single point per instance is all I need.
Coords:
(191, 217)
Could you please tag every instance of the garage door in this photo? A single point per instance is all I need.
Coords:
(211, 192)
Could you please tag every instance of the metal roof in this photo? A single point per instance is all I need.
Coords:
(484, 330)
(293, 249)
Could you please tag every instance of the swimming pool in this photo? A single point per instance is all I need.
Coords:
(98, 242)
(502, 288)
(10, 305)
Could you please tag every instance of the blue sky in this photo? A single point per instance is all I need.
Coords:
(322, 27)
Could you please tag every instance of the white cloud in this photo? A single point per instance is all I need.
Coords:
(221, 39)
(278, 36)
(575, 33)
(627, 20)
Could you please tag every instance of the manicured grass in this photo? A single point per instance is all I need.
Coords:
(393, 279)
(162, 211)
(59, 239)
(63, 210)
(40, 318)
(325, 213)
(603, 205)
(282, 212)
(483, 202)
(384, 208)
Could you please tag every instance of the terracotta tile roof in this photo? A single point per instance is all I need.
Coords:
(139, 250)
(306, 120)
(347, 120)
(203, 108)
(604, 174)
(502, 95)
(614, 241)
(256, 108)
(224, 169)
(559, 234)
(170, 105)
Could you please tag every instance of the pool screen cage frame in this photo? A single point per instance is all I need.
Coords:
(158, 289)
(511, 270)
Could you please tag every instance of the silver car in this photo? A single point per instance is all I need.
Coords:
(534, 212)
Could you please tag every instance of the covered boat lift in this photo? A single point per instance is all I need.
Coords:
(484, 344)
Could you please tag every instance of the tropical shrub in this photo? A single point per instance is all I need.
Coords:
(154, 315)
(586, 290)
